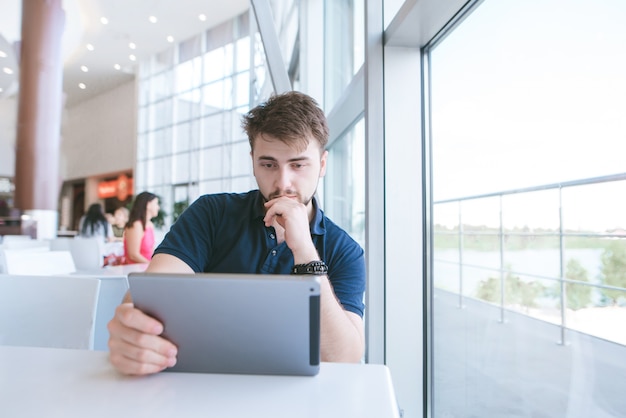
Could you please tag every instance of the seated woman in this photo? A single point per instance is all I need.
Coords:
(95, 225)
(139, 231)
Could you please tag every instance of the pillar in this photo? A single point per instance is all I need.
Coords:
(40, 103)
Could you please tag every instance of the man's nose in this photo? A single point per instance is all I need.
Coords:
(283, 182)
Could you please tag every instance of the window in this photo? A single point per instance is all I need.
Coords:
(526, 107)
(192, 98)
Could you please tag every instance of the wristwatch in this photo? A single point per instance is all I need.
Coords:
(316, 268)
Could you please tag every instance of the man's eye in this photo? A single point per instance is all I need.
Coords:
(268, 165)
(298, 165)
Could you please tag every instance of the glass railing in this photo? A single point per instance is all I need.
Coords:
(555, 252)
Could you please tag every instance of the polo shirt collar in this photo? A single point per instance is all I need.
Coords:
(317, 225)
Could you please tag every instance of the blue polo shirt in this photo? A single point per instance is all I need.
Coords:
(225, 233)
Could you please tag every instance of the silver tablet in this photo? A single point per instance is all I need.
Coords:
(235, 323)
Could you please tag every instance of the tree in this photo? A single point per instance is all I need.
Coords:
(489, 290)
(516, 291)
(179, 208)
(613, 271)
(578, 296)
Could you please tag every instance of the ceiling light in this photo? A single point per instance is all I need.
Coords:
(0, 89)
(117, 67)
(153, 19)
(7, 70)
(82, 86)
(90, 47)
(202, 17)
(3, 54)
(170, 38)
(84, 68)
(132, 45)
(104, 20)
(132, 57)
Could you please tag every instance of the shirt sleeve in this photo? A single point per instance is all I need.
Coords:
(191, 236)
(346, 272)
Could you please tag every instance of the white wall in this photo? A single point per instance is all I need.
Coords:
(8, 126)
(98, 135)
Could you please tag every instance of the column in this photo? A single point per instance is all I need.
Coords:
(37, 179)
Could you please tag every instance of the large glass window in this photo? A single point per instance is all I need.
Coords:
(529, 290)
(344, 188)
(191, 101)
(343, 46)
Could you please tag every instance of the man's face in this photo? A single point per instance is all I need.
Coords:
(281, 170)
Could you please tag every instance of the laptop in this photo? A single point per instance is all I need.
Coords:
(235, 323)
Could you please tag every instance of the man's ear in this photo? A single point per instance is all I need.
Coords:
(323, 161)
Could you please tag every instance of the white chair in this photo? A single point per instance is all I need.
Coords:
(61, 244)
(37, 262)
(48, 311)
(23, 242)
(87, 254)
(112, 291)
(9, 239)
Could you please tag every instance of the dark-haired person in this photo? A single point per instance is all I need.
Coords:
(93, 224)
(139, 230)
(272, 230)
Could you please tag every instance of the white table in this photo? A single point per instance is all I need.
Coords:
(124, 269)
(49, 382)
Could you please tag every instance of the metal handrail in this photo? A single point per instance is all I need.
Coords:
(501, 233)
(565, 184)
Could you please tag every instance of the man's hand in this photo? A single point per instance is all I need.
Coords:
(293, 217)
(135, 345)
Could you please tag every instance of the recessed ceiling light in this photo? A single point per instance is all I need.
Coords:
(3, 54)
(84, 68)
(0, 89)
(202, 17)
(117, 67)
(132, 57)
(89, 47)
(104, 20)
(170, 38)
(82, 86)
(153, 19)
(7, 70)
(132, 45)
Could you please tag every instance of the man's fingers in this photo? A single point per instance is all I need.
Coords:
(133, 360)
(135, 319)
(135, 344)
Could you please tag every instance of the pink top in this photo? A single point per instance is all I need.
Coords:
(147, 245)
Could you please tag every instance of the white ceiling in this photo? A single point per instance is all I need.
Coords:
(128, 21)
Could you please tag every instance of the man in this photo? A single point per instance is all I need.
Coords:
(272, 230)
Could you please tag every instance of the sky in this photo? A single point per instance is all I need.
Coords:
(527, 93)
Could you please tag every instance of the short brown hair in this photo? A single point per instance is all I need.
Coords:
(290, 117)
